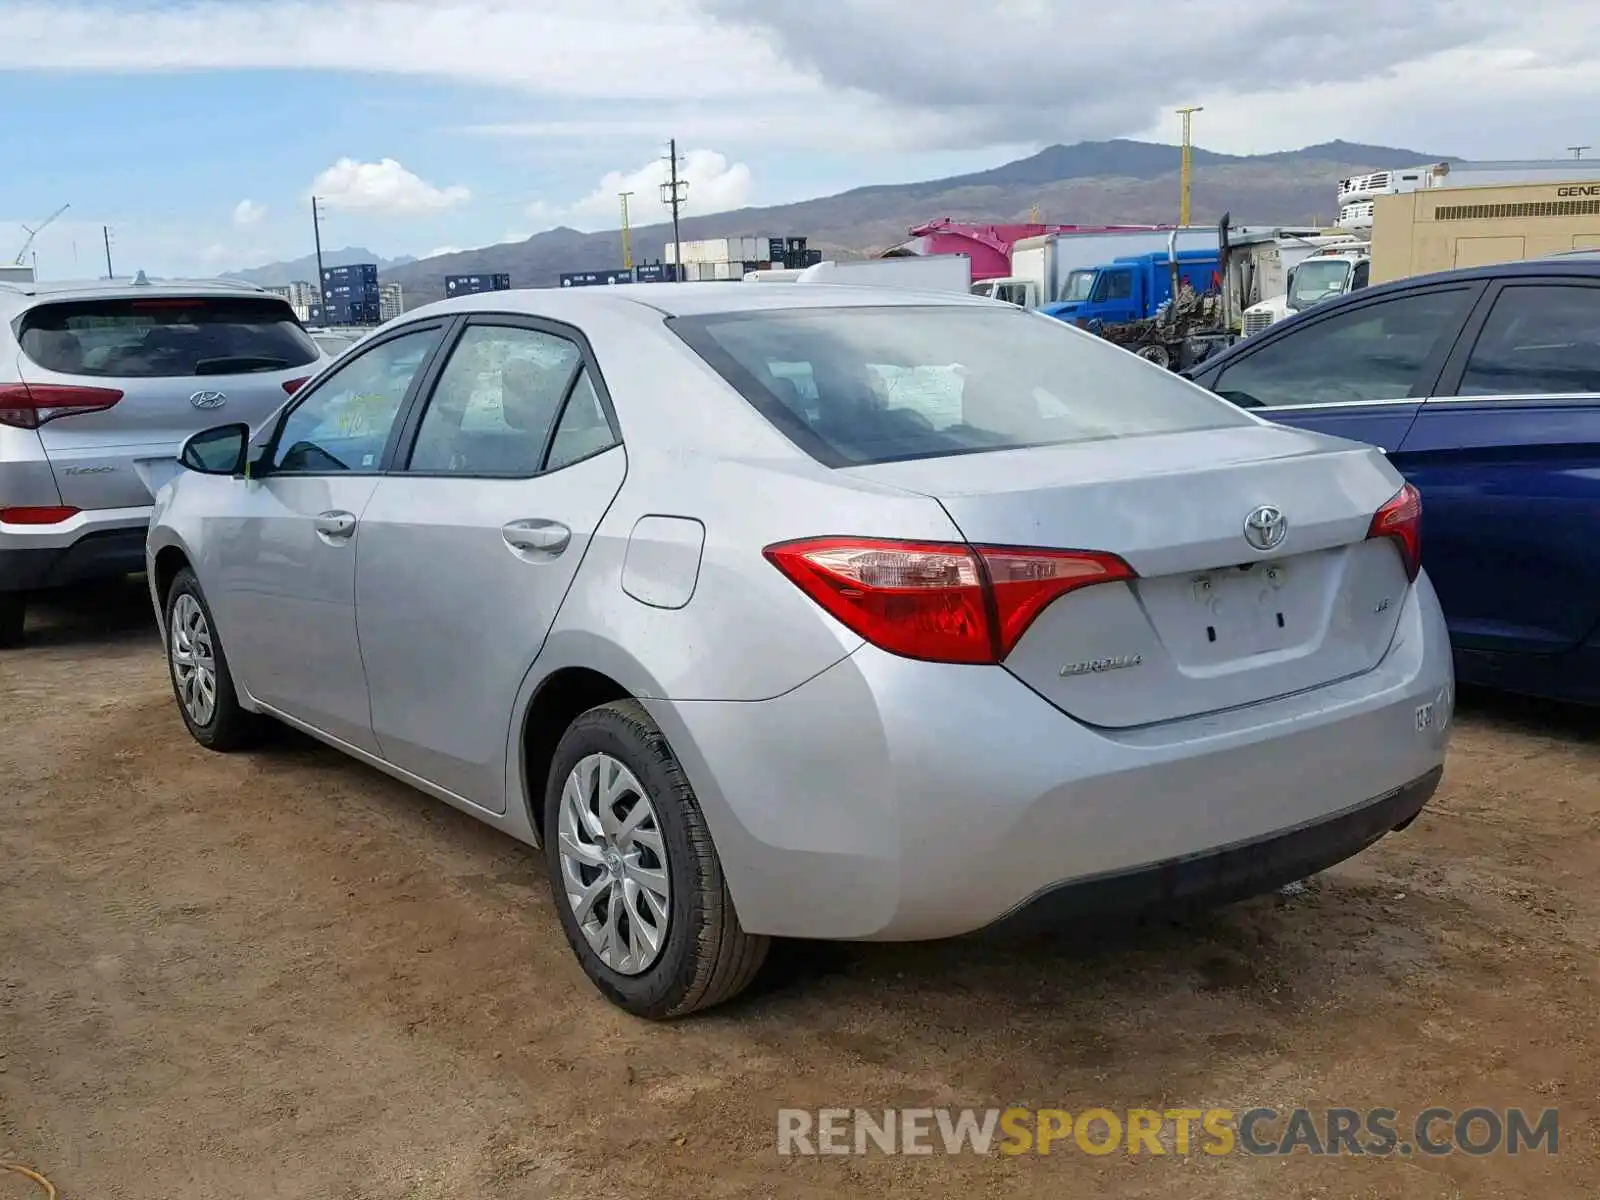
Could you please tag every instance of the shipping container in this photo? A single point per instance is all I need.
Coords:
(655, 273)
(596, 278)
(351, 273)
(469, 285)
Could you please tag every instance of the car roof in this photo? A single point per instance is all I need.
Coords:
(694, 299)
(16, 295)
(1578, 264)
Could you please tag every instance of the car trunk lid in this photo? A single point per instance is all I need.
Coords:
(1211, 622)
(182, 363)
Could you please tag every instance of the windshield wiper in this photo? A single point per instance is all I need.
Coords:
(239, 362)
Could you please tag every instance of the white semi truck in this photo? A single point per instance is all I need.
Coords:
(1340, 266)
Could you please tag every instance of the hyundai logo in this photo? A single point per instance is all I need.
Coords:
(1266, 527)
(208, 399)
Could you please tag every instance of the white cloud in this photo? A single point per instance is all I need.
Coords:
(247, 213)
(878, 76)
(385, 187)
(438, 250)
(558, 47)
(714, 185)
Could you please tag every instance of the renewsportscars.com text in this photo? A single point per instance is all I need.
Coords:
(1261, 1132)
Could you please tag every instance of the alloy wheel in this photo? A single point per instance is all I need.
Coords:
(614, 864)
(194, 662)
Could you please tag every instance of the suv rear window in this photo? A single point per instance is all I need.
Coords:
(854, 386)
(163, 337)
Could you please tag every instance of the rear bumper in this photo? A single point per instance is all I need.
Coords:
(895, 800)
(1232, 872)
(90, 546)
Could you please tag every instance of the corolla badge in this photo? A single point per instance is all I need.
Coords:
(208, 399)
(1096, 666)
(1266, 527)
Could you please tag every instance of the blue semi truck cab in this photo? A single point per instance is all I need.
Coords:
(1132, 288)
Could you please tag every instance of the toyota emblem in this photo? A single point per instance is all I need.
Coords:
(208, 399)
(1266, 527)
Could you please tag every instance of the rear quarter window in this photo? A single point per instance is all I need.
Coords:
(855, 386)
(164, 337)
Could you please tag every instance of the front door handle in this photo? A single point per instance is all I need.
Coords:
(537, 536)
(336, 526)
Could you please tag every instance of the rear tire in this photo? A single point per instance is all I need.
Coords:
(622, 826)
(201, 681)
(13, 616)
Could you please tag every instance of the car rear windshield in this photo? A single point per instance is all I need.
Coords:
(165, 337)
(853, 386)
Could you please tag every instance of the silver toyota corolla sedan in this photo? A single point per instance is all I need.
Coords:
(814, 611)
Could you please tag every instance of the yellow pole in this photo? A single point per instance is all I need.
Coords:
(627, 236)
(1187, 171)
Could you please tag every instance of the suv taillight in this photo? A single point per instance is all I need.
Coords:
(938, 601)
(1401, 519)
(30, 405)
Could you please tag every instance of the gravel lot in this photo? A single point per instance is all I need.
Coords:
(285, 975)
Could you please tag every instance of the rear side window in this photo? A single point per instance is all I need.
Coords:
(165, 337)
(853, 386)
(1538, 340)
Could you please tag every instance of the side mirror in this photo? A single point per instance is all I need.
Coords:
(219, 450)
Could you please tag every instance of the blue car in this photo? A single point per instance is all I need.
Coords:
(1483, 385)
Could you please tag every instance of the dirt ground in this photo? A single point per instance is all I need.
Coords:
(285, 975)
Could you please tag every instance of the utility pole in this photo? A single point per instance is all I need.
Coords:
(105, 231)
(316, 232)
(1577, 151)
(673, 193)
(627, 236)
(1186, 171)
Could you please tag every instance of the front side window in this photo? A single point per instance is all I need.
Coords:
(165, 337)
(344, 424)
(1538, 340)
(1077, 287)
(495, 402)
(1374, 352)
(866, 385)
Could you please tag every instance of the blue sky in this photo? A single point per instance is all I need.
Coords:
(197, 129)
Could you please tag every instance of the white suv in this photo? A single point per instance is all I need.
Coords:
(100, 383)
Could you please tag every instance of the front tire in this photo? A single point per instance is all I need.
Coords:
(201, 681)
(637, 882)
(13, 615)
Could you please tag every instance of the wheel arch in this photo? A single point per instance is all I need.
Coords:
(574, 672)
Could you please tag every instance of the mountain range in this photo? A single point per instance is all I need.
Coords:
(279, 274)
(1090, 183)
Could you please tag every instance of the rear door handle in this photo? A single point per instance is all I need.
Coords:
(537, 536)
(335, 526)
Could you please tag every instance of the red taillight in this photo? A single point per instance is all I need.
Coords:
(1401, 519)
(48, 515)
(30, 405)
(939, 601)
(294, 385)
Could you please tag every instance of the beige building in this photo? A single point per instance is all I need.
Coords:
(391, 301)
(1438, 229)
